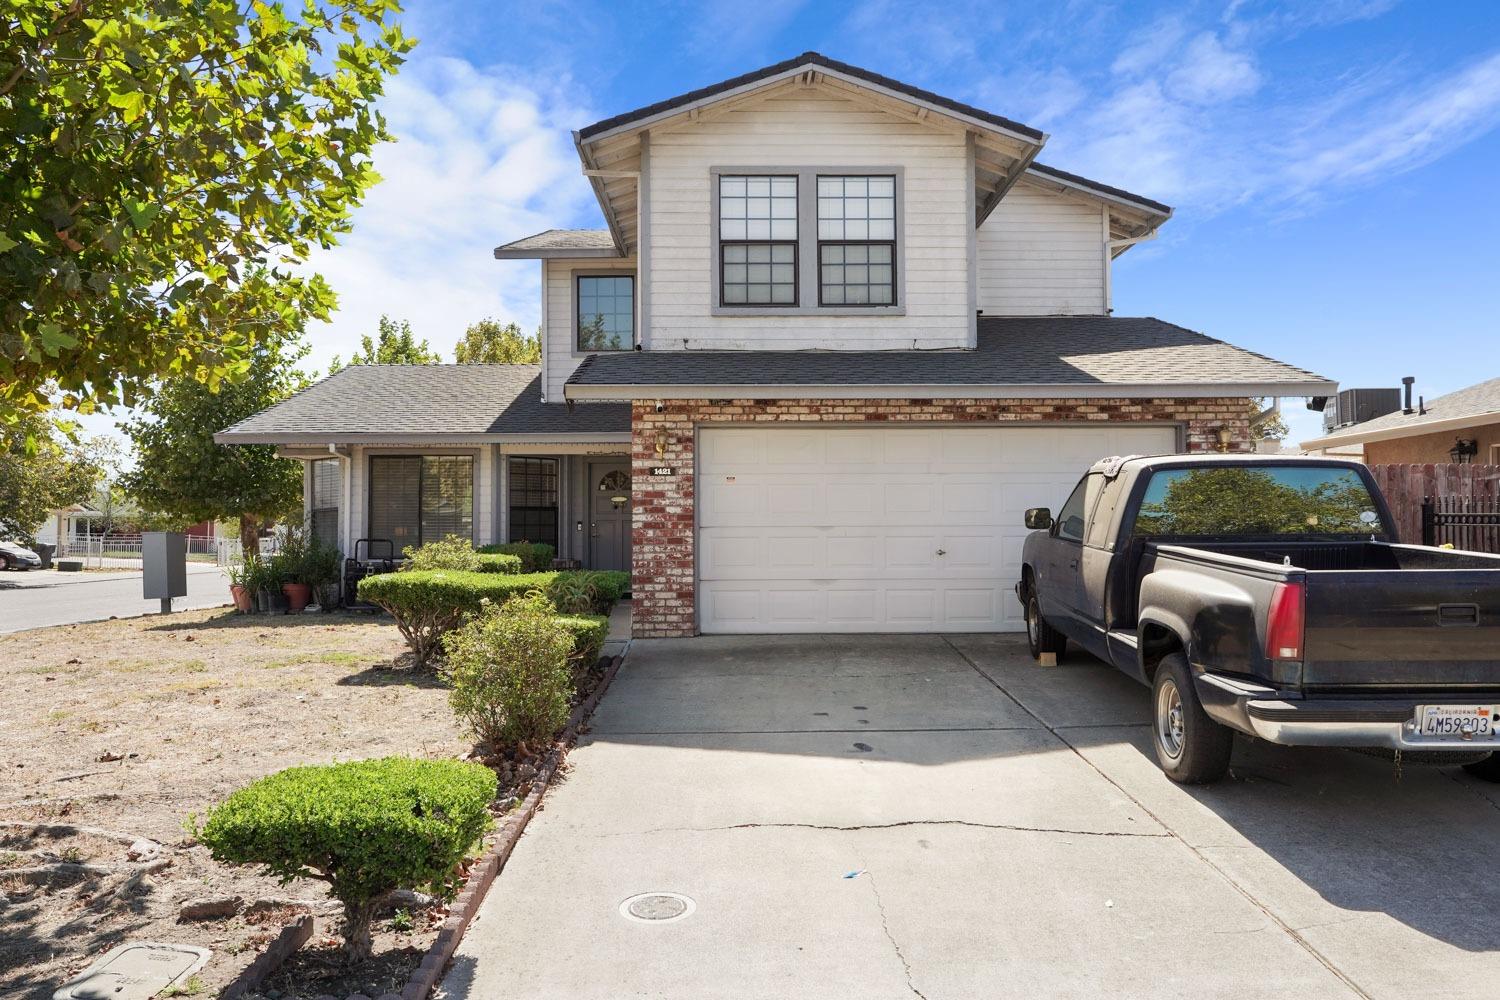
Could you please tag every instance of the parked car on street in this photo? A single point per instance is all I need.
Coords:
(1269, 596)
(14, 555)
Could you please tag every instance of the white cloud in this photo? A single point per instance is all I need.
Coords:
(483, 156)
(1210, 72)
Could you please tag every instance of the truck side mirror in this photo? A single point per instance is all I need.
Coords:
(1038, 518)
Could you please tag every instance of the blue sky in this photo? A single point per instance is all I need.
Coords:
(1333, 164)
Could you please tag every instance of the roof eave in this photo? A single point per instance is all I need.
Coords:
(1357, 436)
(555, 253)
(306, 438)
(579, 392)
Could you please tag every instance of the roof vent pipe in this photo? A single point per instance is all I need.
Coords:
(1421, 406)
(1406, 393)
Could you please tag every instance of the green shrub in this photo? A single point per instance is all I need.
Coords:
(451, 553)
(580, 591)
(589, 633)
(510, 672)
(498, 562)
(427, 603)
(535, 556)
(365, 827)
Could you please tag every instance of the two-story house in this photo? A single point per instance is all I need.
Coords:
(837, 334)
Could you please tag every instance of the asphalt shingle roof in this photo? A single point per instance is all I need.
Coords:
(370, 401)
(1050, 350)
(1478, 401)
(561, 239)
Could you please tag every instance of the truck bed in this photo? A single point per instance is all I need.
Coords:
(1381, 616)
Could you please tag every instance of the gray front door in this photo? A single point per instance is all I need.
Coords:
(609, 515)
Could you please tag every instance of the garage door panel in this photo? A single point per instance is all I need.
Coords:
(838, 529)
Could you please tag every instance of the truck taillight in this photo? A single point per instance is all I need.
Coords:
(1284, 626)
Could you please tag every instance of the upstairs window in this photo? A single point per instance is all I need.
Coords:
(757, 240)
(857, 241)
(606, 312)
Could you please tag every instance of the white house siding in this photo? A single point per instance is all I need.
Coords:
(1042, 254)
(561, 315)
(808, 128)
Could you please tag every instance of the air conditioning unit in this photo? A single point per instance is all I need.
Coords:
(1355, 406)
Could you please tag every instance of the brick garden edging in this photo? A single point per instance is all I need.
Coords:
(435, 962)
(293, 936)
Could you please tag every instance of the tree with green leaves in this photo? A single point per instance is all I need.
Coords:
(45, 469)
(183, 474)
(394, 344)
(164, 171)
(489, 343)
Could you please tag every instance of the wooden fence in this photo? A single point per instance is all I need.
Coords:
(1405, 486)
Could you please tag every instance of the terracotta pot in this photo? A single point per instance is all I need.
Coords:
(243, 601)
(298, 596)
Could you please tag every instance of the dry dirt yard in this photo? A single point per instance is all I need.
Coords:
(127, 728)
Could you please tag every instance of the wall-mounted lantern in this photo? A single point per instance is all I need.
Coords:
(1463, 451)
(1224, 436)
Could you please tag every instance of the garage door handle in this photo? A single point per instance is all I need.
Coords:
(942, 552)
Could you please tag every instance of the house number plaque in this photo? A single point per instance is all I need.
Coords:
(663, 470)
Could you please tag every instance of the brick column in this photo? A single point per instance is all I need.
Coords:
(665, 600)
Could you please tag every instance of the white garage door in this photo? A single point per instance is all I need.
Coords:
(881, 529)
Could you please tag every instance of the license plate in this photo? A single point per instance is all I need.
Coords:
(1475, 721)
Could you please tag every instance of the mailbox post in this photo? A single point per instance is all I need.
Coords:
(164, 566)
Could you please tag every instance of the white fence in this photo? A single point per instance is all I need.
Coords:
(124, 551)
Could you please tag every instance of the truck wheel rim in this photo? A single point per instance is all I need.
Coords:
(1169, 719)
(1031, 621)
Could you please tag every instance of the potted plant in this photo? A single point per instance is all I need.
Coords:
(269, 598)
(296, 595)
(239, 589)
(321, 565)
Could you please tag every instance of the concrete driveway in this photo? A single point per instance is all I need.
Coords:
(1014, 835)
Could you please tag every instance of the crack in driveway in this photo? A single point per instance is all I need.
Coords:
(885, 925)
(896, 824)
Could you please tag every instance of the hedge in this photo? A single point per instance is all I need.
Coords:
(365, 827)
(499, 562)
(535, 556)
(589, 633)
(427, 603)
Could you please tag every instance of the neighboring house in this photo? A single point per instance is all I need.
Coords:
(69, 524)
(1463, 426)
(838, 334)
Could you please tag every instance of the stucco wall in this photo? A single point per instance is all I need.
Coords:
(1432, 447)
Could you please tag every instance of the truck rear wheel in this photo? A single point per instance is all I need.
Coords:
(1041, 637)
(1191, 748)
(1487, 769)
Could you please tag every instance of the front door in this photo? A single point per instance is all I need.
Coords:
(609, 515)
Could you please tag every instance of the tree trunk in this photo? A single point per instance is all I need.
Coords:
(358, 943)
(249, 535)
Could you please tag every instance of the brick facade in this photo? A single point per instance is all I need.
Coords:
(663, 531)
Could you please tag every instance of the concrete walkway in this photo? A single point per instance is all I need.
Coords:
(38, 598)
(1013, 836)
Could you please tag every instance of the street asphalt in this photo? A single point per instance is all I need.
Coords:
(913, 816)
(37, 598)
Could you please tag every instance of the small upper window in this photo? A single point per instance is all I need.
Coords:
(606, 312)
(857, 241)
(757, 240)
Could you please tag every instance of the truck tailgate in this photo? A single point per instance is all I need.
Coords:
(1404, 628)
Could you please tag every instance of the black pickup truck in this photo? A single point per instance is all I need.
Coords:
(1269, 595)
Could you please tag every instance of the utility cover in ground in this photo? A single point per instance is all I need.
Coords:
(136, 971)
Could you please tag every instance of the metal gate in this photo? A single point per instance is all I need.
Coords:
(1471, 523)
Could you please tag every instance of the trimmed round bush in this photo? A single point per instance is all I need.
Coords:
(427, 603)
(535, 556)
(453, 552)
(498, 562)
(589, 633)
(510, 671)
(365, 827)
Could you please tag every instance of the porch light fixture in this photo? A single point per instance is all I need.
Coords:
(1463, 451)
(1223, 435)
(661, 444)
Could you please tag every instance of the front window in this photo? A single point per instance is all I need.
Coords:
(1258, 500)
(757, 240)
(415, 499)
(857, 241)
(323, 513)
(606, 312)
(533, 500)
